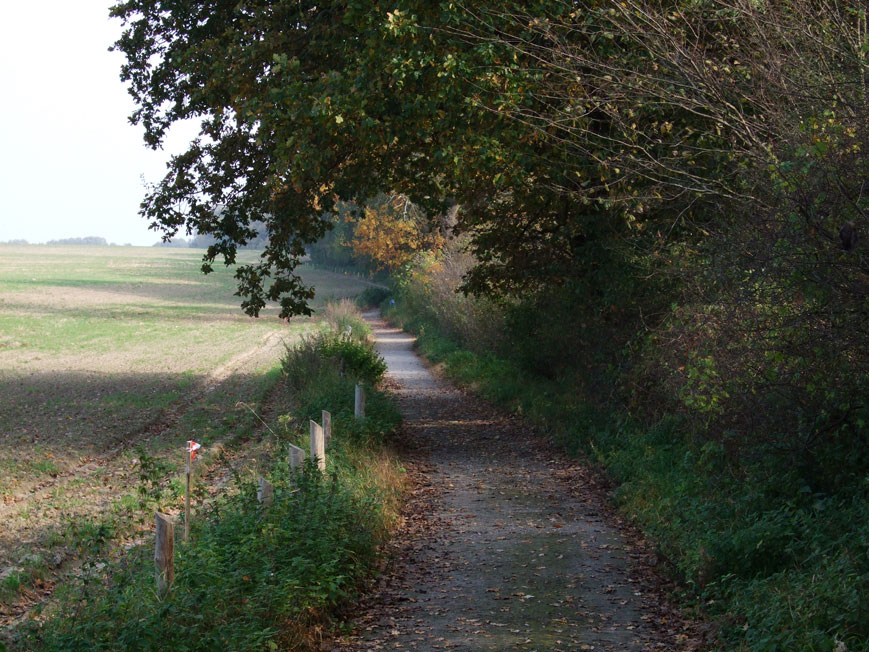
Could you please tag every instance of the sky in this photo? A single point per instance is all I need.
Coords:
(71, 165)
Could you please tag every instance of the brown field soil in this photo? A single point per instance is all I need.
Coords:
(104, 350)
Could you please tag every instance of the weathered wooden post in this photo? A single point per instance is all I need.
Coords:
(318, 445)
(359, 409)
(265, 492)
(327, 427)
(164, 553)
(191, 449)
(297, 457)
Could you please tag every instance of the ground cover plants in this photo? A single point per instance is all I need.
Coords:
(252, 578)
(109, 358)
(776, 563)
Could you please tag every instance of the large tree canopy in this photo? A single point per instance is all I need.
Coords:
(302, 104)
(307, 103)
(555, 125)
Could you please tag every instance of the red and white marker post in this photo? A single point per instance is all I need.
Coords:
(192, 447)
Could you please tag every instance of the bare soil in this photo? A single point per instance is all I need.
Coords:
(506, 544)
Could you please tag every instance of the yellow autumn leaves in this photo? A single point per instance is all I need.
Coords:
(391, 231)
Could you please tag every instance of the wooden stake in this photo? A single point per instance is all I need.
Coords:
(164, 553)
(187, 498)
(265, 493)
(297, 457)
(327, 427)
(318, 445)
(359, 409)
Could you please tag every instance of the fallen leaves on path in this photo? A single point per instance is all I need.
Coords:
(506, 544)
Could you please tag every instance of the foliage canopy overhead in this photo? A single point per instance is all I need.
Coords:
(554, 125)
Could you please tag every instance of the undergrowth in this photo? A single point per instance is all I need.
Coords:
(778, 565)
(254, 578)
(343, 319)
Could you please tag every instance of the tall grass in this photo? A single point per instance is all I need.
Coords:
(343, 318)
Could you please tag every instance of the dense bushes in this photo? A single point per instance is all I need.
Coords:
(249, 579)
(770, 543)
(334, 357)
(428, 291)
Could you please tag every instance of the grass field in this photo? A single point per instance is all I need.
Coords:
(103, 349)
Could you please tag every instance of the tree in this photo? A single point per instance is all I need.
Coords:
(561, 129)
(91, 240)
(391, 231)
(174, 243)
(277, 88)
(333, 249)
(306, 103)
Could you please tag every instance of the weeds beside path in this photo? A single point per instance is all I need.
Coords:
(254, 574)
(509, 545)
(110, 360)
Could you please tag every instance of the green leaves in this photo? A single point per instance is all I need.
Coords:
(279, 87)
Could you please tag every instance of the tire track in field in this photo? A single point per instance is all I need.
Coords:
(15, 541)
(161, 425)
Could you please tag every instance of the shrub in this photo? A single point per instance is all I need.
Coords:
(328, 356)
(372, 297)
(359, 360)
(343, 317)
(430, 290)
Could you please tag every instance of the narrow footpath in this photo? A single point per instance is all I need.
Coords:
(507, 543)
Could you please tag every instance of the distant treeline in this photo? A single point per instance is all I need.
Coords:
(91, 240)
(203, 241)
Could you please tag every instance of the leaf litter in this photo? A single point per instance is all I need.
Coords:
(506, 543)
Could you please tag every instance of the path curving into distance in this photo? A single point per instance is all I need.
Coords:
(507, 545)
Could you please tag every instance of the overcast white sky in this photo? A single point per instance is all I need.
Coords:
(70, 163)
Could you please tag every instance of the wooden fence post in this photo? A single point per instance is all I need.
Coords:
(265, 492)
(191, 449)
(359, 409)
(297, 457)
(187, 502)
(318, 445)
(164, 553)
(327, 427)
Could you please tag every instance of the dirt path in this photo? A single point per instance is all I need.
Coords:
(508, 545)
